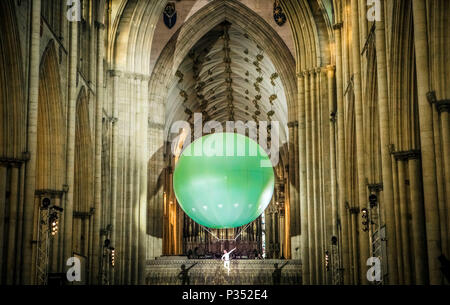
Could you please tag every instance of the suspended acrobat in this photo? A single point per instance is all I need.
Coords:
(226, 259)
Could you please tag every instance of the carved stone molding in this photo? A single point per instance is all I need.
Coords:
(12, 162)
(443, 106)
(49, 193)
(406, 155)
(292, 124)
(129, 75)
(99, 25)
(82, 215)
(155, 125)
(338, 26)
(375, 187)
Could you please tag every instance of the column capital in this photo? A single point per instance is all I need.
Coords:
(292, 124)
(128, 75)
(155, 125)
(49, 193)
(375, 187)
(443, 106)
(115, 73)
(14, 162)
(99, 25)
(305, 73)
(110, 119)
(338, 25)
(331, 68)
(134, 75)
(406, 155)
(312, 72)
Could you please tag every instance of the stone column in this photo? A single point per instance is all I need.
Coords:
(440, 178)
(354, 229)
(332, 112)
(318, 157)
(314, 259)
(292, 182)
(444, 109)
(274, 231)
(406, 254)
(398, 234)
(2, 215)
(296, 184)
(19, 223)
(126, 154)
(72, 102)
(360, 154)
(309, 184)
(27, 276)
(96, 243)
(341, 185)
(304, 246)
(13, 205)
(281, 230)
(383, 115)
(426, 140)
(418, 221)
(137, 136)
(60, 237)
(114, 193)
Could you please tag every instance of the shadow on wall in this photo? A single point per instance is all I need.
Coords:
(276, 274)
(183, 276)
(155, 202)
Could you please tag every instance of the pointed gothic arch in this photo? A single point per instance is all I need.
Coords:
(83, 176)
(12, 101)
(51, 125)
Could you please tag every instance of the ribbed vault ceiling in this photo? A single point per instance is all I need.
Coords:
(227, 77)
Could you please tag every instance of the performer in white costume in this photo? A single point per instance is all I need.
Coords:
(226, 259)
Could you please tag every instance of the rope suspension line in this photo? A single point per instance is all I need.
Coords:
(224, 239)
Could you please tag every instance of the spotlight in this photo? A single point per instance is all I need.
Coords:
(365, 219)
(54, 225)
(113, 256)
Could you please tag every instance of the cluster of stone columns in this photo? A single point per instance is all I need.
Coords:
(126, 223)
(317, 170)
(26, 181)
(410, 163)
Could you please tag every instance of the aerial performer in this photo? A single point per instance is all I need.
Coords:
(226, 259)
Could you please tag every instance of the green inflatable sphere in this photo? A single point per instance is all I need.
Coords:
(223, 180)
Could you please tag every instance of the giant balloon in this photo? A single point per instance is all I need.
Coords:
(223, 180)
